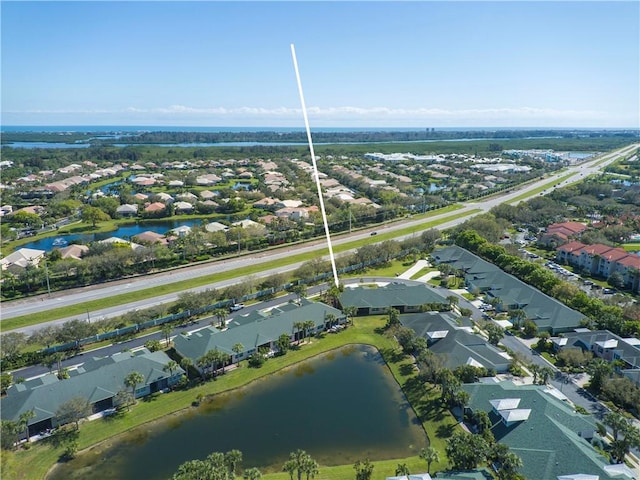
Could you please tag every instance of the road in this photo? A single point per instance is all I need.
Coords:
(76, 296)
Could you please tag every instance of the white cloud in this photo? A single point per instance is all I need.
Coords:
(329, 116)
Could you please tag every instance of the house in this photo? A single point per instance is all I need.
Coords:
(155, 207)
(456, 344)
(208, 195)
(127, 210)
(164, 198)
(187, 197)
(402, 297)
(249, 224)
(151, 237)
(508, 292)
(183, 207)
(256, 330)
(536, 424)
(21, 258)
(208, 179)
(120, 242)
(215, 227)
(181, 231)
(98, 379)
(74, 251)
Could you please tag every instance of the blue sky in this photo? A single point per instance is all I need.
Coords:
(362, 64)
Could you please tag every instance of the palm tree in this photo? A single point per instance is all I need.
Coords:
(289, 467)
(166, 330)
(310, 467)
(307, 326)
(231, 459)
(329, 318)
(24, 421)
(429, 455)
(224, 359)
(297, 327)
(132, 380)
(170, 367)
(186, 363)
(350, 311)
(252, 474)
(237, 348)
(402, 469)
(221, 316)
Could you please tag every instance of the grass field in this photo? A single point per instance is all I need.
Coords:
(438, 423)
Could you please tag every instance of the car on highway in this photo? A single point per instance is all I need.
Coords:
(236, 306)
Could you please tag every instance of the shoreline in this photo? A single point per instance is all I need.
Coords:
(110, 442)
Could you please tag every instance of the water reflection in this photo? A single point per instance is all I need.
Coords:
(339, 408)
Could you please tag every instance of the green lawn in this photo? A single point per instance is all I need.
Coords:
(437, 421)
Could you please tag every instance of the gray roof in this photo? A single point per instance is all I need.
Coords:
(265, 328)
(552, 441)
(390, 295)
(97, 379)
(547, 312)
(624, 349)
(456, 344)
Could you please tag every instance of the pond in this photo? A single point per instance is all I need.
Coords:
(339, 407)
(123, 231)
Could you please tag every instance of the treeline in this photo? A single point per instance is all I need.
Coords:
(622, 321)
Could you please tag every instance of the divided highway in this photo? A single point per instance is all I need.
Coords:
(79, 296)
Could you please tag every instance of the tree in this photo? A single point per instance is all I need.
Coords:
(132, 380)
(429, 455)
(466, 451)
(517, 316)
(170, 367)
(24, 421)
(300, 462)
(393, 317)
(9, 433)
(238, 348)
(283, 343)
(402, 469)
(166, 330)
(11, 343)
(494, 332)
(600, 371)
(252, 474)
(186, 363)
(508, 462)
(153, 345)
(94, 215)
(530, 329)
(232, 459)
(625, 435)
(364, 470)
(73, 410)
(5, 381)
(350, 312)
(221, 316)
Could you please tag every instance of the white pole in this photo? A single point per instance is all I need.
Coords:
(315, 168)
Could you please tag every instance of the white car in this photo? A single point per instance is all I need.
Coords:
(236, 306)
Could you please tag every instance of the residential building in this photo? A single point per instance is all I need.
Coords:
(559, 233)
(625, 352)
(21, 258)
(457, 344)
(377, 300)
(552, 440)
(127, 210)
(256, 330)
(98, 380)
(508, 292)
